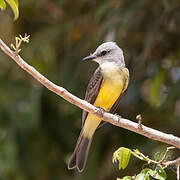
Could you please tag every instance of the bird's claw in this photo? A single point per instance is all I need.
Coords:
(101, 110)
(118, 116)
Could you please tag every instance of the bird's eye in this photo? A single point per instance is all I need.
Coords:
(103, 53)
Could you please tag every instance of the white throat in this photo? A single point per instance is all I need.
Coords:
(110, 69)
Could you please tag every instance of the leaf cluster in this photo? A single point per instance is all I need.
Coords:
(122, 157)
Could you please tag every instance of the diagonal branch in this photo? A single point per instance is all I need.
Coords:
(113, 119)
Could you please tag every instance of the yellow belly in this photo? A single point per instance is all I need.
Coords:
(108, 94)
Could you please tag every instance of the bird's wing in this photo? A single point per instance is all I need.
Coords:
(92, 90)
(126, 76)
(94, 87)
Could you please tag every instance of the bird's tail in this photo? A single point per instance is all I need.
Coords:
(80, 154)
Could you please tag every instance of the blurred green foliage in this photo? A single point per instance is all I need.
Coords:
(13, 4)
(38, 129)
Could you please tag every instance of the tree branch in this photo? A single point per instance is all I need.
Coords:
(113, 119)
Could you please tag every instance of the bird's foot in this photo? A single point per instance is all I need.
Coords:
(118, 116)
(101, 110)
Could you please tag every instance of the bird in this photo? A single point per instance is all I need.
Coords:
(109, 81)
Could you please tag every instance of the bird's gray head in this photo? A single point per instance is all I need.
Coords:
(107, 52)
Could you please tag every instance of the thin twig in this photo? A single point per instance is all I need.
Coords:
(115, 120)
(165, 154)
(162, 162)
(175, 162)
(139, 118)
(177, 172)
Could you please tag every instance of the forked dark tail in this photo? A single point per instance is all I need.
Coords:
(80, 154)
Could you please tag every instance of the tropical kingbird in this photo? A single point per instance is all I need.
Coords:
(107, 84)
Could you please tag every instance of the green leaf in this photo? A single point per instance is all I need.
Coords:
(17, 3)
(144, 175)
(14, 6)
(2, 5)
(125, 178)
(123, 156)
(158, 173)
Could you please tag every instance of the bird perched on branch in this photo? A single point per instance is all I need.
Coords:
(104, 90)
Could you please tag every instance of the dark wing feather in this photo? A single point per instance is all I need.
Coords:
(92, 90)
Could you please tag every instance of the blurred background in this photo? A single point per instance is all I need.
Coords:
(38, 129)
